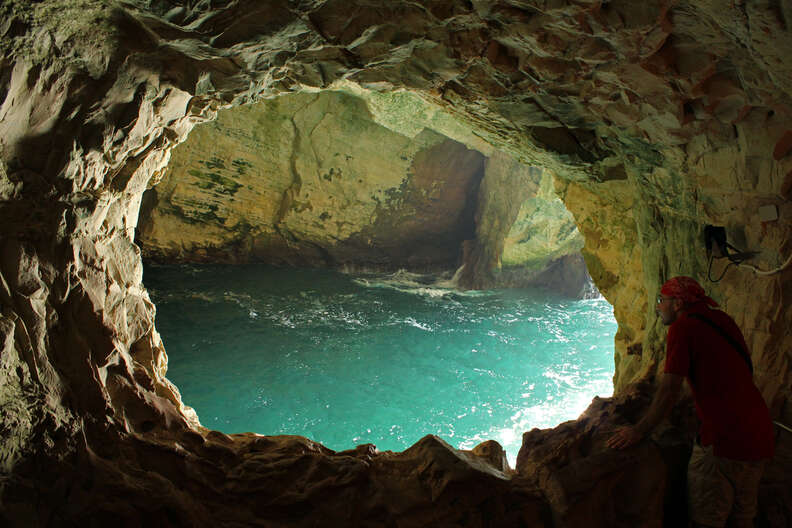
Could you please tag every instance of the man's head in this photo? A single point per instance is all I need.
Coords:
(676, 295)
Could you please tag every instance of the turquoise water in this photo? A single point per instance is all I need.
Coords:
(352, 359)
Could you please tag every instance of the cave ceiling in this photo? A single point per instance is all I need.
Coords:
(655, 119)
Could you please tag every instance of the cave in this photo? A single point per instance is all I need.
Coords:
(342, 220)
(655, 121)
(351, 179)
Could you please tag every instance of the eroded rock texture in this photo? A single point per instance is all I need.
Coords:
(334, 179)
(655, 118)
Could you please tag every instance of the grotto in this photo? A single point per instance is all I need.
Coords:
(652, 119)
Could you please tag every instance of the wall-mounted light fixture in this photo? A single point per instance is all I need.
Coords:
(718, 247)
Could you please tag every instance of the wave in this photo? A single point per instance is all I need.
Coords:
(425, 285)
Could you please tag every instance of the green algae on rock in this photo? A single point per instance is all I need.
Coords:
(314, 179)
(655, 118)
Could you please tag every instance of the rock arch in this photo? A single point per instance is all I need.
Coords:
(656, 119)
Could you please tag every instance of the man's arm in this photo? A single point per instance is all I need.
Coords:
(664, 399)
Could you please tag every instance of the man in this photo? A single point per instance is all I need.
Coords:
(706, 347)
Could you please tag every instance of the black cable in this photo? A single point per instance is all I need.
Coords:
(709, 270)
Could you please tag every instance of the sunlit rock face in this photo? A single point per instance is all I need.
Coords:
(655, 120)
(332, 179)
(310, 180)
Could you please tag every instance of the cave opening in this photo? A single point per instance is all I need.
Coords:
(656, 119)
(360, 267)
(349, 359)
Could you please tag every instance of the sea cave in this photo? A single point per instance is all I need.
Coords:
(520, 144)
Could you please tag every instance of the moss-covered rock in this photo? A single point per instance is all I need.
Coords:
(352, 179)
(655, 118)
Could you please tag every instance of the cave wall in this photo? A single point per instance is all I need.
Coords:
(311, 180)
(654, 118)
(340, 179)
(658, 231)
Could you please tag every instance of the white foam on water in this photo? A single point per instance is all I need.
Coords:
(546, 414)
(425, 285)
(421, 326)
(561, 392)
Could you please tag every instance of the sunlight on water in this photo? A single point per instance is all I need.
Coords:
(352, 359)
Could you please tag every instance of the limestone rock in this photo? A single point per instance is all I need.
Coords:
(313, 180)
(655, 119)
(578, 473)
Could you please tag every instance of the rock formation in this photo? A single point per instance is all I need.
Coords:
(655, 119)
(318, 179)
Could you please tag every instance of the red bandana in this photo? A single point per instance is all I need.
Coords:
(686, 289)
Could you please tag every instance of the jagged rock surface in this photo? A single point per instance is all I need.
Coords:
(655, 118)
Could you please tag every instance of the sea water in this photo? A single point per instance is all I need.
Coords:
(347, 359)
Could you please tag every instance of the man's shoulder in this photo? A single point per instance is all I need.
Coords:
(687, 320)
(696, 319)
(715, 315)
(703, 310)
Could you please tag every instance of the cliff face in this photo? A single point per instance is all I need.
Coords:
(308, 179)
(338, 179)
(655, 120)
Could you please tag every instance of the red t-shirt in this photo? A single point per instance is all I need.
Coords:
(733, 414)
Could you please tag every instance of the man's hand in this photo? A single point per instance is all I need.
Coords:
(663, 400)
(625, 437)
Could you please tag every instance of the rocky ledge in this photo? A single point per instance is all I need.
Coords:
(654, 119)
(564, 476)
